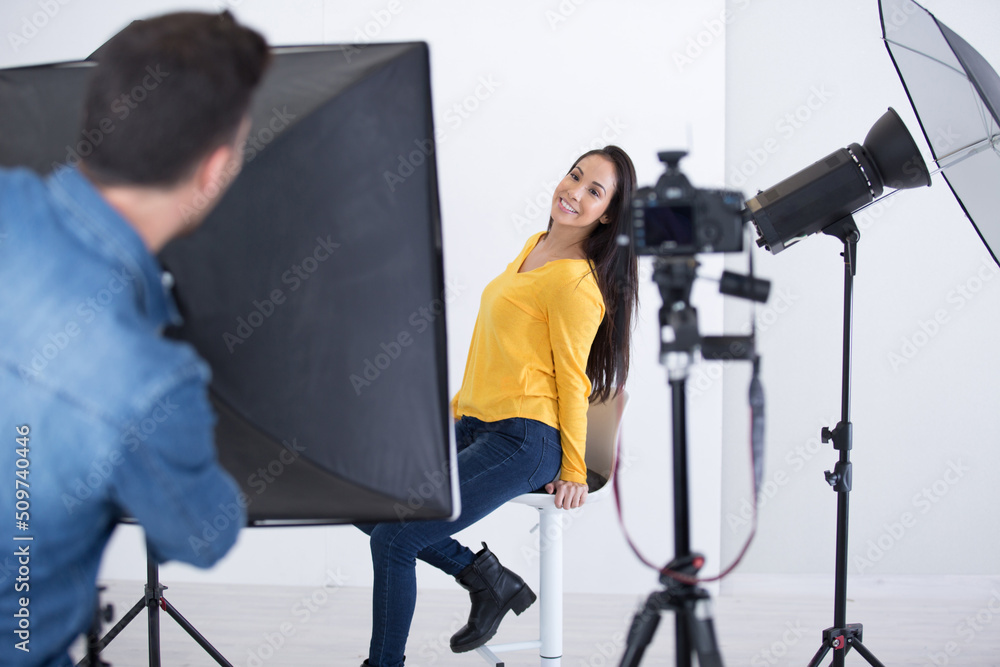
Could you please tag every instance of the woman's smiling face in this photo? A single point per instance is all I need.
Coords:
(583, 195)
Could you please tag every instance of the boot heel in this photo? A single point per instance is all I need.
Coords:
(524, 599)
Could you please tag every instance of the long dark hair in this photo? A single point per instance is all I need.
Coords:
(616, 269)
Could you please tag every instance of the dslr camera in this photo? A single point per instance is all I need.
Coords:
(675, 218)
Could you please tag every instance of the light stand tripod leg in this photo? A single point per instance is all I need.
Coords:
(102, 614)
(842, 640)
(153, 601)
(118, 627)
(703, 634)
(696, 629)
(820, 654)
(641, 632)
(197, 636)
(866, 654)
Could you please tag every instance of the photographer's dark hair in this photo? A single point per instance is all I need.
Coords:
(167, 91)
(616, 268)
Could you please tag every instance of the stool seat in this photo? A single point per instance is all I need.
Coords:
(604, 422)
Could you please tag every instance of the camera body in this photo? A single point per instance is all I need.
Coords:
(675, 218)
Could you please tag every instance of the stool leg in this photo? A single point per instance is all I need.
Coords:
(551, 586)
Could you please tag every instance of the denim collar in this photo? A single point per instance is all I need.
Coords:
(105, 231)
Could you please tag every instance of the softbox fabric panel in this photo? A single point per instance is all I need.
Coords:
(302, 287)
(315, 292)
(40, 114)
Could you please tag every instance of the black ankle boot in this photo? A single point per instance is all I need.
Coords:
(494, 590)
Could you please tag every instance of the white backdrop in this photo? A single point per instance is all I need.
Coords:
(520, 90)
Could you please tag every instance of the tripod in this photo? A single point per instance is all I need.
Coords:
(102, 614)
(695, 631)
(842, 637)
(153, 601)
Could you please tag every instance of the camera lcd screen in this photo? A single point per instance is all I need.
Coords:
(668, 224)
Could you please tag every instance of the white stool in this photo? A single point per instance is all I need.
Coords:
(604, 422)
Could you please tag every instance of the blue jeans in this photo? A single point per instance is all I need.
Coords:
(497, 461)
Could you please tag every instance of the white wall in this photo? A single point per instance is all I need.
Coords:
(802, 80)
(567, 76)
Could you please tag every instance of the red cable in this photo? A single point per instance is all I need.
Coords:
(678, 576)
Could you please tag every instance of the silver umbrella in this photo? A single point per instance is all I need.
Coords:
(955, 94)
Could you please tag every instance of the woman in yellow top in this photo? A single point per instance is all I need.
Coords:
(552, 332)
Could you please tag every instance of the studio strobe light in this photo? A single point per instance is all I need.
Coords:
(837, 185)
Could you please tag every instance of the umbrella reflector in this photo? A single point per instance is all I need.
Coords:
(955, 94)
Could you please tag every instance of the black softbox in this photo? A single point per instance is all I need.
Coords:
(315, 289)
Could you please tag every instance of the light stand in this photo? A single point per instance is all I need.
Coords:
(842, 637)
(153, 601)
(823, 198)
(695, 633)
(102, 614)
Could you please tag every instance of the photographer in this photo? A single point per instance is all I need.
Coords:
(102, 416)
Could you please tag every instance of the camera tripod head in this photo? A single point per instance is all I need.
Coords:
(680, 337)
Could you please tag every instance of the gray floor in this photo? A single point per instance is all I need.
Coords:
(765, 622)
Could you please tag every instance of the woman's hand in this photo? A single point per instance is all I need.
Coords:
(569, 495)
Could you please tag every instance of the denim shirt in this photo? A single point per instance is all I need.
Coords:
(101, 417)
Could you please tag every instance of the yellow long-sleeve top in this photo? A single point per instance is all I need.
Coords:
(530, 345)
